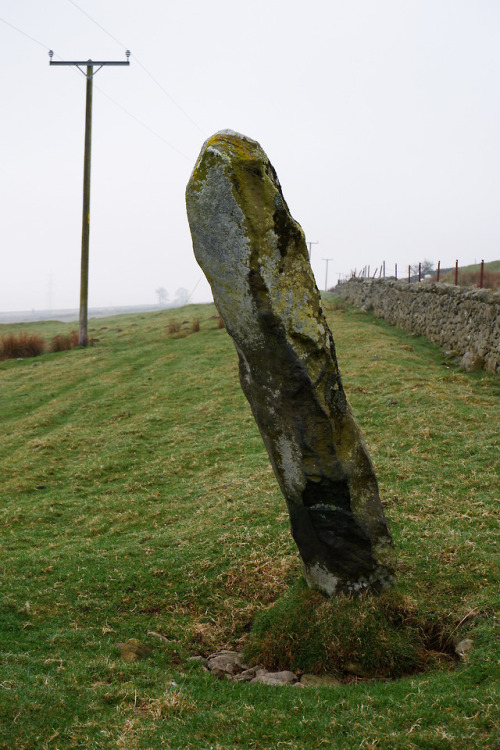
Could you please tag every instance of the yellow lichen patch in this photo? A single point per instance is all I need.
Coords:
(240, 148)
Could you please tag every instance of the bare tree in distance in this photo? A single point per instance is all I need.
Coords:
(427, 268)
(162, 295)
(181, 297)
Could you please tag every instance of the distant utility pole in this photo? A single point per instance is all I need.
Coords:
(84, 277)
(310, 249)
(327, 260)
(49, 293)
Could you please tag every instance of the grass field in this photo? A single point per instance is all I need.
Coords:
(137, 500)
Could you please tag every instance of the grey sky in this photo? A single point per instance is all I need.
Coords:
(382, 119)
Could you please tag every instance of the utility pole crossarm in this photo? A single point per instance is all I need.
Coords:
(89, 62)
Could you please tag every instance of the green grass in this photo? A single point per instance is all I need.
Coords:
(137, 498)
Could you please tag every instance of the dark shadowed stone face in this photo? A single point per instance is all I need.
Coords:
(255, 257)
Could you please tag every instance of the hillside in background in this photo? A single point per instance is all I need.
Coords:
(67, 316)
(137, 501)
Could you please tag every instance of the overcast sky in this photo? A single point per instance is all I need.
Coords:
(381, 118)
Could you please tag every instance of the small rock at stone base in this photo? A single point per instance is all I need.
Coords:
(463, 647)
(275, 678)
(246, 676)
(319, 680)
(471, 362)
(226, 662)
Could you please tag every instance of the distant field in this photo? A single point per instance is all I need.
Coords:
(137, 499)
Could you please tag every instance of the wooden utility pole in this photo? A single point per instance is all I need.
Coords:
(89, 74)
(327, 260)
(310, 248)
(84, 271)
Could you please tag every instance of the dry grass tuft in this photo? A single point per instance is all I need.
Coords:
(220, 322)
(173, 327)
(22, 345)
(172, 703)
(195, 326)
(63, 342)
(259, 579)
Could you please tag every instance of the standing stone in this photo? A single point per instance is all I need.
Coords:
(254, 256)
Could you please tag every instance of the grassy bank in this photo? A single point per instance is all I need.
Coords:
(137, 501)
(469, 276)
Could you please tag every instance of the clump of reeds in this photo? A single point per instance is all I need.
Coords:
(64, 341)
(174, 326)
(21, 345)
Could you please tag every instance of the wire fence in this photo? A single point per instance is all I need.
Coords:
(422, 272)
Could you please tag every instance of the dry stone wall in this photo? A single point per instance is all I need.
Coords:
(466, 321)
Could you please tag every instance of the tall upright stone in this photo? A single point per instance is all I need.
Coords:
(254, 256)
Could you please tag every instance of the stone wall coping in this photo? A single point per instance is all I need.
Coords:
(489, 296)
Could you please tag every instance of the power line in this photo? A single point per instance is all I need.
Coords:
(113, 101)
(140, 122)
(130, 114)
(169, 96)
(41, 44)
(97, 24)
(141, 65)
